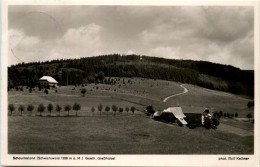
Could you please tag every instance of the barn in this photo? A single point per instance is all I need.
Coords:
(47, 80)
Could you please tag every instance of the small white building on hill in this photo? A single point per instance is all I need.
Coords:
(48, 80)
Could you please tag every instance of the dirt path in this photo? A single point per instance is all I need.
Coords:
(185, 90)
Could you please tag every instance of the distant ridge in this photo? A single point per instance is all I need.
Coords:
(85, 70)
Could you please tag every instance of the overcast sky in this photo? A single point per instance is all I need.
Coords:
(217, 34)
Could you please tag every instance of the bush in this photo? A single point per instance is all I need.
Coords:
(150, 109)
(216, 115)
(250, 104)
(83, 91)
(50, 107)
(215, 121)
(76, 107)
(93, 110)
(67, 108)
(21, 109)
(30, 107)
(46, 91)
(133, 109)
(228, 115)
(249, 116)
(58, 108)
(120, 109)
(127, 109)
(221, 113)
(114, 108)
(11, 108)
(40, 109)
(107, 108)
(236, 114)
(225, 115)
(100, 107)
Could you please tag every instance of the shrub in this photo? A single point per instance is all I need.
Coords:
(120, 109)
(216, 115)
(250, 104)
(76, 107)
(58, 108)
(150, 109)
(39, 87)
(221, 113)
(11, 108)
(40, 109)
(114, 108)
(93, 110)
(46, 91)
(133, 109)
(50, 107)
(127, 109)
(236, 114)
(249, 116)
(100, 107)
(228, 115)
(30, 108)
(83, 91)
(215, 121)
(67, 108)
(21, 109)
(107, 108)
(225, 115)
(232, 115)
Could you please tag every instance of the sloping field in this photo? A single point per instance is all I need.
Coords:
(126, 133)
(120, 134)
(197, 98)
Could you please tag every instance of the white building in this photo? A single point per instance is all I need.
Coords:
(48, 80)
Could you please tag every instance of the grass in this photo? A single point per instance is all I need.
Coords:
(126, 133)
(121, 134)
(198, 98)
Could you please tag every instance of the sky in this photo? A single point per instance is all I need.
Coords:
(218, 34)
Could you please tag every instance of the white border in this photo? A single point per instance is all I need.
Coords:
(129, 160)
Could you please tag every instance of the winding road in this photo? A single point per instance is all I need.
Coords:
(185, 90)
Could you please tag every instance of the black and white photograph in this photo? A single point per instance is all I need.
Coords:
(130, 80)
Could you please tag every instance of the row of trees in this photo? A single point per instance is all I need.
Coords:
(41, 108)
(76, 107)
(229, 115)
(114, 108)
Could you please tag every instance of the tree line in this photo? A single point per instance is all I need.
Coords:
(87, 70)
(76, 107)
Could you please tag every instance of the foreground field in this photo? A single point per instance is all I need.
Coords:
(127, 133)
(121, 134)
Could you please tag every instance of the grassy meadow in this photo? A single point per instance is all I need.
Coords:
(126, 133)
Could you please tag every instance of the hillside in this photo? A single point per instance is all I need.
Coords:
(94, 69)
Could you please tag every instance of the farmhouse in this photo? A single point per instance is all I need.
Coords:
(171, 114)
(47, 80)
